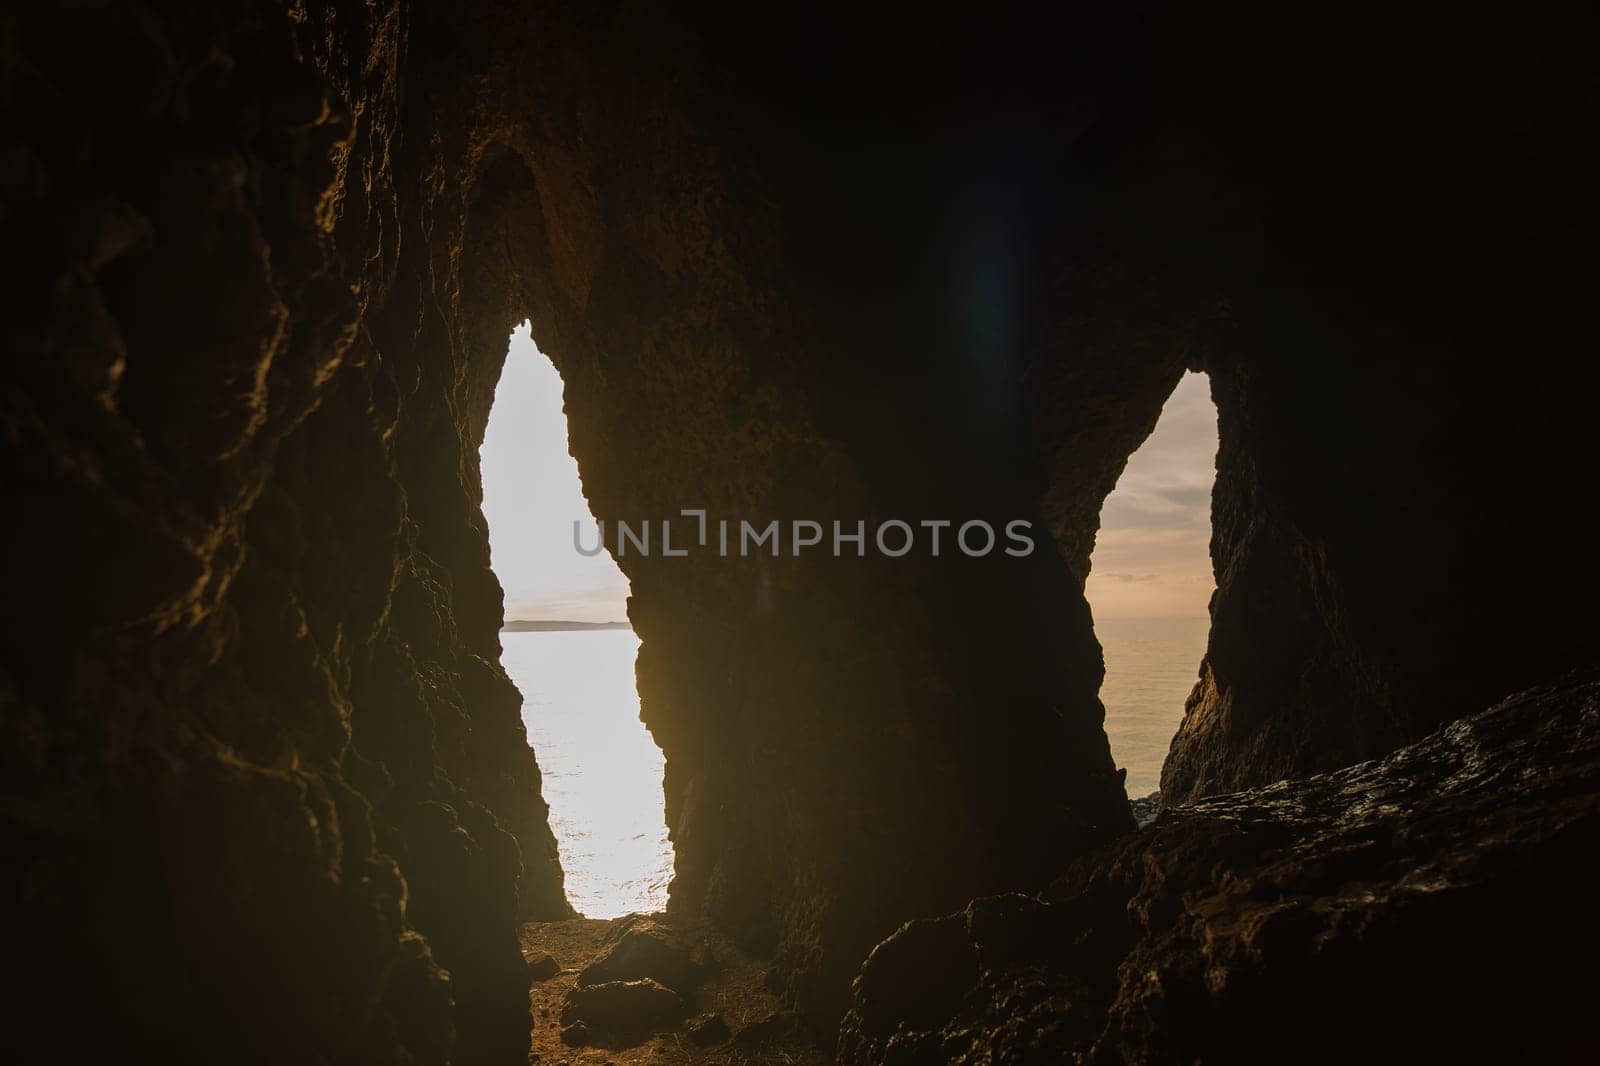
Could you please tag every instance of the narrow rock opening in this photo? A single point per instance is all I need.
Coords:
(567, 646)
(1151, 584)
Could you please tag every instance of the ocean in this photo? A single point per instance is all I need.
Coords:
(602, 772)
(1151, 664)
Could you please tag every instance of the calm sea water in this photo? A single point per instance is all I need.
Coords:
(1151, 664)
(602, 772)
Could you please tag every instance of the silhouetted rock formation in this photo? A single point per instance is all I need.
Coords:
(645, 951)
(267, 792)
(266, 780)
(1403, 909)
(1379, 286)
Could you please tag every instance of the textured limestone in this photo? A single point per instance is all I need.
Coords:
(264, 262)
(270, 259)
(268, 794)
(645, 951)
(1405, 907)
(1380, 287)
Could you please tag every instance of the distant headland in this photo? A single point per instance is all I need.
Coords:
(555, 625)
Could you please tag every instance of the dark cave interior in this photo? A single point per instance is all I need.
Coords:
(268, 797)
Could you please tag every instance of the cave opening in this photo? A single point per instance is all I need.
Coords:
(567, 646)
(1151, 582)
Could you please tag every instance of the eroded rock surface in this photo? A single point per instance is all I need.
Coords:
(261, 763)
(264, 262)
(646, 950)
(1416, 907)
(1355, 266)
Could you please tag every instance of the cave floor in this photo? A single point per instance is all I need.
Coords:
(736, 991)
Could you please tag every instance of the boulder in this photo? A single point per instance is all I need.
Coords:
(646, 952)
(622, 1007)
(1403, 909)
(542, 967)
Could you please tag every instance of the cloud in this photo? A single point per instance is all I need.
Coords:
(531, 495)
(1152, 554)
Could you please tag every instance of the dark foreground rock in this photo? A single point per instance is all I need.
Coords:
(622, 1007)
(646, 950)
(1404, 908)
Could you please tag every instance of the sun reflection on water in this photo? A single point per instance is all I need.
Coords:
(602, 772)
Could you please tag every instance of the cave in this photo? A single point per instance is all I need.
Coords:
(269, 795)
(1150, 584)
(567, 648)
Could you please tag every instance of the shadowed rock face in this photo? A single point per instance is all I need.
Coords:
(847, 740)
(266, 786)
(257, 734)
(1353, 263)
(268, 796)
(1409, 906)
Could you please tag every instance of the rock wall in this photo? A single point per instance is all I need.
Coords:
(270, 292)
(848, 740)
(267, 793)
(1376, 270)
(1358, 914)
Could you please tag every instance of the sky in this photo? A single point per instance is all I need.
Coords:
(1152, 557)
(532, 494)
